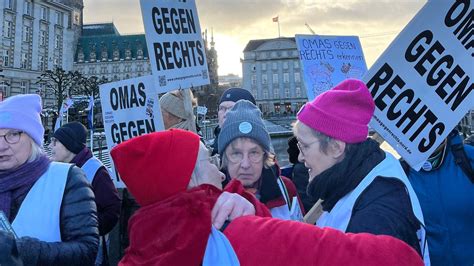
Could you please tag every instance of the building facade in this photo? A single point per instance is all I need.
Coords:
(36, 36)
(103, 52)
(271, 72)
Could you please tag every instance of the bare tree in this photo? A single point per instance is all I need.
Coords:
(60, 82)
(89, 86)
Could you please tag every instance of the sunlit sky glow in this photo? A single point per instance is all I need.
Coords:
(234, 23)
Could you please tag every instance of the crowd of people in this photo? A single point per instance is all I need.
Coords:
(232, 203)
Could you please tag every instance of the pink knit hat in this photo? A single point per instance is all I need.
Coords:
(342, 112)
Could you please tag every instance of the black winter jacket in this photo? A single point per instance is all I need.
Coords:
(78, 225)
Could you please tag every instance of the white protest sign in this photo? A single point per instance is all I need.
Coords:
(328, 60)
(422, 84)
(175, 45)
(130, 108)
(202, 110)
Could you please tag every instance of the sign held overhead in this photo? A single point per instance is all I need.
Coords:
(174, 41)
(423, 83)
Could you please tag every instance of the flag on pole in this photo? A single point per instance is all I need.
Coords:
(275, 19)
(67, 103)
(90, 115)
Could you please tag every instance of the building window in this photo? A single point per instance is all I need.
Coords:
(287, 92)
(24, 86)
(264, 79)
(265, 94)
(264, 66)
(296, 64)
(254, 80)
(9, 4)
(140, 53)
(59, 18)
(286, 77)
(275, 78)
(44, 13)
(8, 29)
(297, 77)
(26, 34)
(276, 93)
(56, 61)
(253, 67)
(115, 69)
(298, 92)
(6, 58)
(103, 70)
(254, 93)
(41, 63)
(285, 65)
(43, 37)
(274, 66)
(128, 54)
(28, 8)
(57, 41)
(24, 60)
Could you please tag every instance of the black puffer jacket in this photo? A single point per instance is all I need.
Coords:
(78, 225)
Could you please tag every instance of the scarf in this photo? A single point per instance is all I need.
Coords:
(16, 183)
(343, 177)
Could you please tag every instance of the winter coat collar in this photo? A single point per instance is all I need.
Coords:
(334, 183)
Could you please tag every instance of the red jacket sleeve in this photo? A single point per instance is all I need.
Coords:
(235, 186)
(266, 241)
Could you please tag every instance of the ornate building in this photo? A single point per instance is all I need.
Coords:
(36, 36)
(103, 52)
(271, 72)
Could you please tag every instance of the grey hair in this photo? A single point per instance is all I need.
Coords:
(324, 140)
(268, 156)
(36, 151)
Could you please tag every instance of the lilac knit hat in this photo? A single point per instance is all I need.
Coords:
(22, 112)
(342, 112)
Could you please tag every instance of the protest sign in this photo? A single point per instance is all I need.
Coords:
(202, 110)
(130, 108)
(328, 60)
(422, 84)
(175, 45)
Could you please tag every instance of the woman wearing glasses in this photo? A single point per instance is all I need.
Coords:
(172, 176)
(50, 205)
(244, 145)
(362, 188)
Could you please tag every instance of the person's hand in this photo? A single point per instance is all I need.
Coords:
(230, 206)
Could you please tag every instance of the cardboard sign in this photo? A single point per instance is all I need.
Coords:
(423, 83)
(175, 45)
(328, 60)
(130, 108)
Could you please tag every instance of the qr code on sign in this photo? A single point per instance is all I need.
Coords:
(162, 81)
(204, 74)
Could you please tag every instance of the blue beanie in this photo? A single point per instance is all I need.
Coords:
(22, 112)
(243, 120)
(73, 136)
(236, 94)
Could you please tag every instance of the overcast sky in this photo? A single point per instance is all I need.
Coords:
(234, 23)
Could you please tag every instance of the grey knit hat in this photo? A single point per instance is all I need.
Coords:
(243, 120)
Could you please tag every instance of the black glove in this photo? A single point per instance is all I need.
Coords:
(8, 251)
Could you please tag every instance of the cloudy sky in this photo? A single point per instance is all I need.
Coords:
(234, 23)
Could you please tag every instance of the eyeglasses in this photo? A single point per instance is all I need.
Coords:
(215, 160)
(224, 108)
(12, 137)
(237, 156)
(305, 147)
